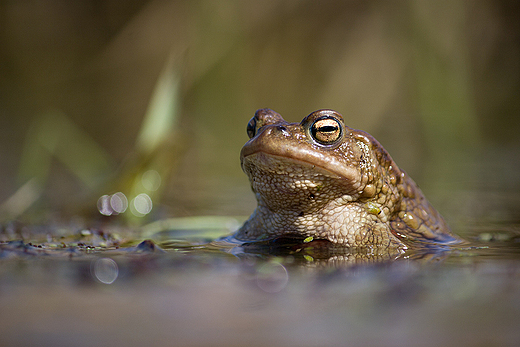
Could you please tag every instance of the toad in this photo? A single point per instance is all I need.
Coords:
(320, 179)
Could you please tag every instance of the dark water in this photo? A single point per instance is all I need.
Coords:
(105, 288)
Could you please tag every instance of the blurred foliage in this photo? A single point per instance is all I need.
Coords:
(120, 88)
(54, 135)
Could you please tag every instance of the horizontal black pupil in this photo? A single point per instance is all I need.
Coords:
(327, 129)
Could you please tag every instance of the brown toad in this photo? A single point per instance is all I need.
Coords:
(324, 180)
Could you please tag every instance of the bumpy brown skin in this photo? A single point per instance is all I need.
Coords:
(348, 191)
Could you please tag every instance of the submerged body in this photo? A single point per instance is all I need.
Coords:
(322, 179)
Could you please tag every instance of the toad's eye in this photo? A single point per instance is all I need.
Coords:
(326, 131)
(251, 128)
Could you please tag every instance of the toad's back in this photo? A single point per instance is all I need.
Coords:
(321, 179)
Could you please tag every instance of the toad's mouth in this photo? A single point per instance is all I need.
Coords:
(282, 165)
(259, 164)
(283, 159)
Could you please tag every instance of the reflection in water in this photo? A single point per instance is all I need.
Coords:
(319, 252)
(105, 270)
(272, 277)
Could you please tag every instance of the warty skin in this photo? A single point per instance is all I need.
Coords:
(322, 179)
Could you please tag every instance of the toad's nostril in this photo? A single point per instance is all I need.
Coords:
(283, 130)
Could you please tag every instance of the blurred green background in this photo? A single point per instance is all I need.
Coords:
(96, 94)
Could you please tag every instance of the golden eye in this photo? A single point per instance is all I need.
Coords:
(326, 130)
(251, 128)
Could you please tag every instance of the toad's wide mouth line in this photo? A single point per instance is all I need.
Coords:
(264, 159)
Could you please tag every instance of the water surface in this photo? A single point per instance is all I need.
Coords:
(101, 288)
